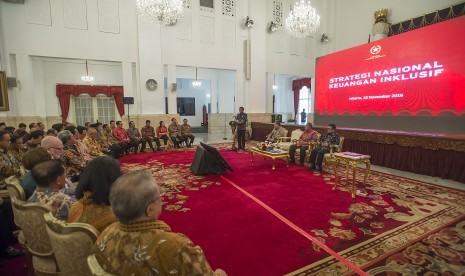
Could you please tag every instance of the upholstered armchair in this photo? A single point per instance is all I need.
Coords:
(30, 217)
(329, 157)
(311, 146)
(95, 267)
(72, 243)
(14, 188)
(286, 142)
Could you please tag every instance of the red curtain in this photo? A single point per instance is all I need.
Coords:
(296, 86)
(65, 91)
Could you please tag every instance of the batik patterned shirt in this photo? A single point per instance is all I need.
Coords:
(241, 119)
(8, 166)
(186, 129)
(275, 133)
(332, 138)
(148, 132)
(175, 130)
(133, 133)
(59, 202)
(73, 161)
(93, 146)
(148, 248)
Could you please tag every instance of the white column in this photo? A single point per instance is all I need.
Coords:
(269, 92)
(240, 91)
(128, 85)
(171, 94)
(214, 95)
(150, 67)
(25, 95)
(256, 90)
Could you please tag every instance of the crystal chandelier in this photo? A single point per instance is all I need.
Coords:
(87, 78)
(302, 20)
(167, 12)
(196, 83)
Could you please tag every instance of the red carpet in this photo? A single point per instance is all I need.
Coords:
(243, 238)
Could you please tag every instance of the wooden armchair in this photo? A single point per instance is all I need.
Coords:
(329, 157)
(311, 146)
(286, 142)
(95, 267)
(72, 243)
(30, 217)
(14, 188)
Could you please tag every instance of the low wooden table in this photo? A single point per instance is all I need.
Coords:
(273, 154)
(352, 160)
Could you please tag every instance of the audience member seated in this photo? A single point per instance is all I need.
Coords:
(91, 143)
(51, 178)
(87, 125)
(122, 137)
(58, 127)
(112, 125)
(17, 148)
(41, 126)
(303, 143)
(162, 132)
(81, 133)
(318, 153)
(278, 131)
(140, 244)
(135, 137)
(93, 192)
(73, 161)
(110, 142)
(52, 132)
(2, 126)
(53, 145)
(11, 130)
(148, 133)
(186, 133)
(21, 131)
(32, 127)
(7, 226)
(9, 166)
(30, 160)
(34, 139)
(175, 133)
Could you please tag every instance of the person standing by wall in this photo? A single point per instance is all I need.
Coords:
(241, 121)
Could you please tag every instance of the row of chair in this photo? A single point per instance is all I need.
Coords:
(53, 247)
(286, 142)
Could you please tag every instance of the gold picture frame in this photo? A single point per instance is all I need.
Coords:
(4, 103)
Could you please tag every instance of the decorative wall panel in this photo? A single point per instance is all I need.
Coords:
(278, 13)
(38, 12)
(207, 30)
(229, 8)
(184, 27)
(108, 16)
(75, 14)
(294, 45)
(206, 6)
(229, 33)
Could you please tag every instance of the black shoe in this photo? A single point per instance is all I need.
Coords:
(311, 168)
(11, 252)
(291, 161)
(317, 169)
(142, 151)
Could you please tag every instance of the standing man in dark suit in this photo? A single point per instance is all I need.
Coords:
(241, 121)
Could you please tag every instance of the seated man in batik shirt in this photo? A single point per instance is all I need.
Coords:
(34, 139)
(50, 177)
(278, 131)
(122, 137)
(72, 159)
(332, 138)
(309, 136)
(139, 243)
(17, 148)
(91, 143)
(175, 133)
(186, 133)
(9, 166)
(135, 137)
(148, 133)
(109, 141)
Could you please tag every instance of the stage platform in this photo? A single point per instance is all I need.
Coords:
(434, 154)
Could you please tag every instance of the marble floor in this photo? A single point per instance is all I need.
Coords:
(220, 138)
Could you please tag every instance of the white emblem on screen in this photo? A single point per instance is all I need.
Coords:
(375, 50)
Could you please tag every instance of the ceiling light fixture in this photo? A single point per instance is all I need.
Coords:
(87, 78)
(248, 22)
(166, 12)
(196, 83)
(302, 20)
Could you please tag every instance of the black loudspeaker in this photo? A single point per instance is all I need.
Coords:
(128, 100)
(208, 160)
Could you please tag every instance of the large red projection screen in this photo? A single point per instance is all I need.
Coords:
(419, 73)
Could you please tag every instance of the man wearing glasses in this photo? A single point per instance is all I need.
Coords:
(330, 138)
